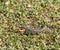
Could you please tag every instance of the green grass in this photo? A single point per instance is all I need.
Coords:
(14, 13)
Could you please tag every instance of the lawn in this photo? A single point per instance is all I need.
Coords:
(29, 24)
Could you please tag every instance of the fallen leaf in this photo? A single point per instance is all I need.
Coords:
(16, 3)
(58, 22)
(11, 10)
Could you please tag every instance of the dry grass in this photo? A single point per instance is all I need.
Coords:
(32, 13)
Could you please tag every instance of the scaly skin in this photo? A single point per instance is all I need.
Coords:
(35, 30)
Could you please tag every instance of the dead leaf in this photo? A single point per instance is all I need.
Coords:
(12, 10)
(17, 3)
(58, 22)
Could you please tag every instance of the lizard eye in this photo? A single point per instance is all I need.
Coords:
(22, 30)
